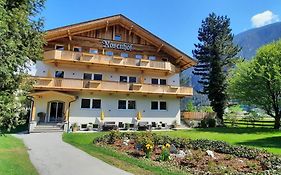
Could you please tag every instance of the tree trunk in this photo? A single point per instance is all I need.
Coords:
(277, 122)
(220, 117)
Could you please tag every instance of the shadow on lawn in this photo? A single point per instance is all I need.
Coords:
(268, 142)
(239, 130)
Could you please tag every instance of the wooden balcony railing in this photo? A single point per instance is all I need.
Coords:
(45, 83)
(107, 60)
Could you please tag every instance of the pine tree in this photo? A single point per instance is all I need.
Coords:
(215, 53)
(21, 41)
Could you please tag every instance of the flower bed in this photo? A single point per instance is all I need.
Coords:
(193, 156)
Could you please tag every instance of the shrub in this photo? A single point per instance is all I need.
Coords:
(211, 122)
(203, 123)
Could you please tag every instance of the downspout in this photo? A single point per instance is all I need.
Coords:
(76, 97)
(31, 111)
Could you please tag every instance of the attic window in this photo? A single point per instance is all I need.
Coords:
(77, 49)
(59, 47)
(117, 37)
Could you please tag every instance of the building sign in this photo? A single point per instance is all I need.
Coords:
(119, 46)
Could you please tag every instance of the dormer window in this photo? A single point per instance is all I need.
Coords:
(59, 47)
(117, 37)
(77, 49)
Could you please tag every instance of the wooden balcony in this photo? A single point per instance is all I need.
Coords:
(61, 56)
(64, 84)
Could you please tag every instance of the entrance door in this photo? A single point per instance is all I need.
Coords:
(56, 111)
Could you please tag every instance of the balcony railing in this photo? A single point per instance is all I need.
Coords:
(107, 60)
(108, 86)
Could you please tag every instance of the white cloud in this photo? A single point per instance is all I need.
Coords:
(264, 18)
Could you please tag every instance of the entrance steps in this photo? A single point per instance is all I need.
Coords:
(48, 127)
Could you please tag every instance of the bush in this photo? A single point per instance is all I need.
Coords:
(212, 122)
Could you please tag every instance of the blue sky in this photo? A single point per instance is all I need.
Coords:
(175, 21)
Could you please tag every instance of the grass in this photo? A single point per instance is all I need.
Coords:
(136, 166)
(14, 159)
(264, 138)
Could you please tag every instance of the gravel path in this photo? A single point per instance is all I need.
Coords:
(51, 156)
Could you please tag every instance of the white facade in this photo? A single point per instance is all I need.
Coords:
(109, 102)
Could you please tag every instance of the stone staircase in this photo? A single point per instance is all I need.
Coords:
(48, 127)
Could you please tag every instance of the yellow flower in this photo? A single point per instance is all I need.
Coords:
(168, 145)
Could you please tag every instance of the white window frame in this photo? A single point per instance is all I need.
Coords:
(77, 47)
(118, 104)
(60, 71)
(87, 73)
(93, 49)
(92, 103)
(59, 45)
(127, 104)
(158, 105)
(81, 104)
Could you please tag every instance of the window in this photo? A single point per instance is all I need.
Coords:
(121, 104)
(151, 57)
(109, 53)
(124, 55)
(163, 105)
(59, 74)
(138, 56)
(85, 103)
(154, 105)
(132, 79)
(131, 104)
(123, 79)
(154, 81)
(59, 47)
(98, 77)
(163, 81)
(93, 51)
(87, 76)
(117, 37)
(77, 49)
(96, 104)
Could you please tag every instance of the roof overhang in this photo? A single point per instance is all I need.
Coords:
(183, 61)
(54, 94)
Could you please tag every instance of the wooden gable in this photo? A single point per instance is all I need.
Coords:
(89, 34)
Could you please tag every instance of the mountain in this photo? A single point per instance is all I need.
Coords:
(249, 41)
(252, 39)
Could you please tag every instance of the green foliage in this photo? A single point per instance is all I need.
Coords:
(233, 114)
(208, 109)
(21, 42)
(258, 82)
(190, 107)
(165, 153)
(215, 53)
(208, 122)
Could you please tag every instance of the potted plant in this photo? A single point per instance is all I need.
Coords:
(75, 127)
(90, 127)
(41, 116)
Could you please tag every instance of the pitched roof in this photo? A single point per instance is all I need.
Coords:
(184, 61)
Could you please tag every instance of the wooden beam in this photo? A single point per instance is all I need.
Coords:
(179, 59)
(69, 35)
(106, 28)
(130, 31)
(159, 48)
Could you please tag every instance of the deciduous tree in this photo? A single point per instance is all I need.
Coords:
(258, 82)
(20, 42)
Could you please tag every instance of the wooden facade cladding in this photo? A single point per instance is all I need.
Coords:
(65, 84)
(89, 34)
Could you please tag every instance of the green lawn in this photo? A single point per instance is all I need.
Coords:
(14, 159)
(258, 137)
(264, 138)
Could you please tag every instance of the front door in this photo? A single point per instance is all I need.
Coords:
(56, 111)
